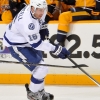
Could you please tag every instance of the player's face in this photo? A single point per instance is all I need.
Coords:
(39, 13)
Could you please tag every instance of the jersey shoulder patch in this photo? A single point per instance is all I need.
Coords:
(31, 26)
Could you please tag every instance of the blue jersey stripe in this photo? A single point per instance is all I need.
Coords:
(34, 45)
(36, 81)
(13, 43)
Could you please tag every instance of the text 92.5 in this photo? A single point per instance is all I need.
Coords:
(76, 45)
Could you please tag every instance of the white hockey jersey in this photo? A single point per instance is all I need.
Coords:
(23, 31)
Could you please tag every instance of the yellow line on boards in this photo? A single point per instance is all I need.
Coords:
(51, 79)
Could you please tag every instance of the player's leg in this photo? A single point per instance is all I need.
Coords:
(36, 87)
(26, 54)
(37, 83)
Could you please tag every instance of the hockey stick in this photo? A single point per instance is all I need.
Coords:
(97, 83)
(85, 72)
(68, 57)
(26, 63)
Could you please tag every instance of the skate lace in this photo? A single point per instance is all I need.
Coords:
(34, 96)
(45, 94)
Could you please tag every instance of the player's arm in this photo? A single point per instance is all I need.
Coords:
(33, 37)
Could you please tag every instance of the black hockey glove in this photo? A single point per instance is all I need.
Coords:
(61, 37)
(44, 32)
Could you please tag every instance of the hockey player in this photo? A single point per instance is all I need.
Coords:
(81, 11)
(24, 37)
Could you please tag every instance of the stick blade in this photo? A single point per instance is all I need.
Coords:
(81, 65)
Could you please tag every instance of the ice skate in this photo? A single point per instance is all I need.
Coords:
(41, 95)
(47, 96)
(33, 96)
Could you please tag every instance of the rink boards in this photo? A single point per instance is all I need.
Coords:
(83, 41)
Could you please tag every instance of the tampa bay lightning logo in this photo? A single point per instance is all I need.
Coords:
(31, 26)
